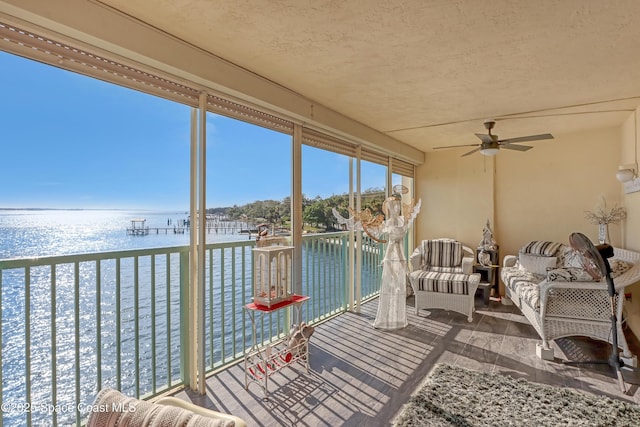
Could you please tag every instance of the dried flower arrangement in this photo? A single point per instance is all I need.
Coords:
(604, 216)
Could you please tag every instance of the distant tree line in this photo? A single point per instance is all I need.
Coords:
(316, 212)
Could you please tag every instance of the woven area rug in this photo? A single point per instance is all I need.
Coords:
(453, 396)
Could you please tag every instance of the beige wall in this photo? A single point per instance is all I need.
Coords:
(543, 194)
(540, 194)
(631, 229)
(629, 155)
(456, 196)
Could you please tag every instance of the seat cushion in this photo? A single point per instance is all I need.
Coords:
(437, 269)
(448, 283)
(523, 284)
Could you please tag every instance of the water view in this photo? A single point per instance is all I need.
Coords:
(29, 233)
(86, 305)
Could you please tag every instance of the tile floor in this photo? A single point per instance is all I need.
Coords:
(361, 376)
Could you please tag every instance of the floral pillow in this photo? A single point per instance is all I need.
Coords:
(569, 274)
(619, 267)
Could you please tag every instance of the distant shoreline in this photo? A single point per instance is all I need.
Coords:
(81, 209)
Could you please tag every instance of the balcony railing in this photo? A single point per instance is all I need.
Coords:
(72, 325)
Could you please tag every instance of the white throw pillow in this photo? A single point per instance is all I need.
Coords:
(537, 264)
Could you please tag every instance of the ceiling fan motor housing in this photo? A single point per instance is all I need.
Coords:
(493, 144)
(489, 124)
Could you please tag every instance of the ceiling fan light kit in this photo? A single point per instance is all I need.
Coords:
(489, 151)
(491, 144)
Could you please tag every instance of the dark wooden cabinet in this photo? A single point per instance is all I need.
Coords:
(488, 273)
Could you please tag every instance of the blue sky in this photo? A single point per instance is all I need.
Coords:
(69, 141)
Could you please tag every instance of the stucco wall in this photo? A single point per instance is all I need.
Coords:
(543, 194)
(540, 194)
(631, 230)
(456, 196)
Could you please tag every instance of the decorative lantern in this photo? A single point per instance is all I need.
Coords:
(272, 271)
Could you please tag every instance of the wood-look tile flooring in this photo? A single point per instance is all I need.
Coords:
(361, 376)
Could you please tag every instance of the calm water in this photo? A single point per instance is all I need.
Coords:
(113, 320)
(39, 233)
(59, 232)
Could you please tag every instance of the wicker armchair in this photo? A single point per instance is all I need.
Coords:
(442, 277)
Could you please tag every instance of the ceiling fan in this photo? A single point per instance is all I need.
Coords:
(491, 144)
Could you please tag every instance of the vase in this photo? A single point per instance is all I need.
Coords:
(603, 233)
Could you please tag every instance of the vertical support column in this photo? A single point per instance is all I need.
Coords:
(192, 296)
(358, 287)
(296, 213)
(389, 184)
(199, 293)
(411, 235)
(350, 246)
(187, 343)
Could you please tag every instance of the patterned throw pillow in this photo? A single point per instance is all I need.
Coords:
(619, 267)
(569, 274)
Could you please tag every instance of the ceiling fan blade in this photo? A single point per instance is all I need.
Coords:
(527, 138)
(515, 147)
(485, 138)
(456, 146)
(471, 152)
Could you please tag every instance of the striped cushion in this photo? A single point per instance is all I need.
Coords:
(442, 253)
(530, 295)
(448, 283)
(540, 247)
(446, 269)
(523, 284)
(116, 409)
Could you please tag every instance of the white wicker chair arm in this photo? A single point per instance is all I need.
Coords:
(415, 260)
(468, 252)
(630, 276)
(467, 265)
(509, 261)
(545, 285)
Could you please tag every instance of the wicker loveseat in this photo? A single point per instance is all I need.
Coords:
(546, 281)
(441, 276)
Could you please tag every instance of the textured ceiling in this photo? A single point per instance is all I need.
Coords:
(429, 72)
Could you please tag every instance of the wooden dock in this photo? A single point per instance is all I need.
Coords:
(138, 227)
(219, 228)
